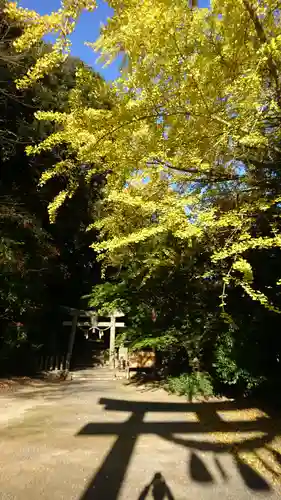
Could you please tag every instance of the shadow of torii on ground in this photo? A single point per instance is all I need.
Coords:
(108, 480)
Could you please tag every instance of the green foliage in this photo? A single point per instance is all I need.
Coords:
(164, 342)
(108, 297)
(191, 385)
(228, 367)
(190, 329)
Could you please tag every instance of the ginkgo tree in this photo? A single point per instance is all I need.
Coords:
(192, 141)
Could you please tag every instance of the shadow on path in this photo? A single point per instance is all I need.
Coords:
(108, 480)
(159, 489)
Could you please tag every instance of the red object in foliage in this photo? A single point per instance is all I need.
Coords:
(19, 324)
(153, 315)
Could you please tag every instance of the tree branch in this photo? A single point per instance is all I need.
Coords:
(193, 170)
(263, 39)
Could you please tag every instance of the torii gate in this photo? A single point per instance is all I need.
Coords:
(92, 322)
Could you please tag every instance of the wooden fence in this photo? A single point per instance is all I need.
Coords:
(124, 361)
(50, 363)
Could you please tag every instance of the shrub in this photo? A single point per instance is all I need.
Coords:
(190, 385)
(229, 369)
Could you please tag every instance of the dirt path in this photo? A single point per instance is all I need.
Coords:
(96, 439)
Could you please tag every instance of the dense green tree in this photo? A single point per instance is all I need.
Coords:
(43, 265)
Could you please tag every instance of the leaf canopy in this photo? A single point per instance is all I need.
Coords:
(192, 140)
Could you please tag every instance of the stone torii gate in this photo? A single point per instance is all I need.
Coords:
(91, 321)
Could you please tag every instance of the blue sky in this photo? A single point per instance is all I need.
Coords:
(87, 30)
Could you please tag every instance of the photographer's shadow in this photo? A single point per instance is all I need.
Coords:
(159, 489)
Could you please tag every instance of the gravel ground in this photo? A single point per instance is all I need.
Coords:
(95, 438)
